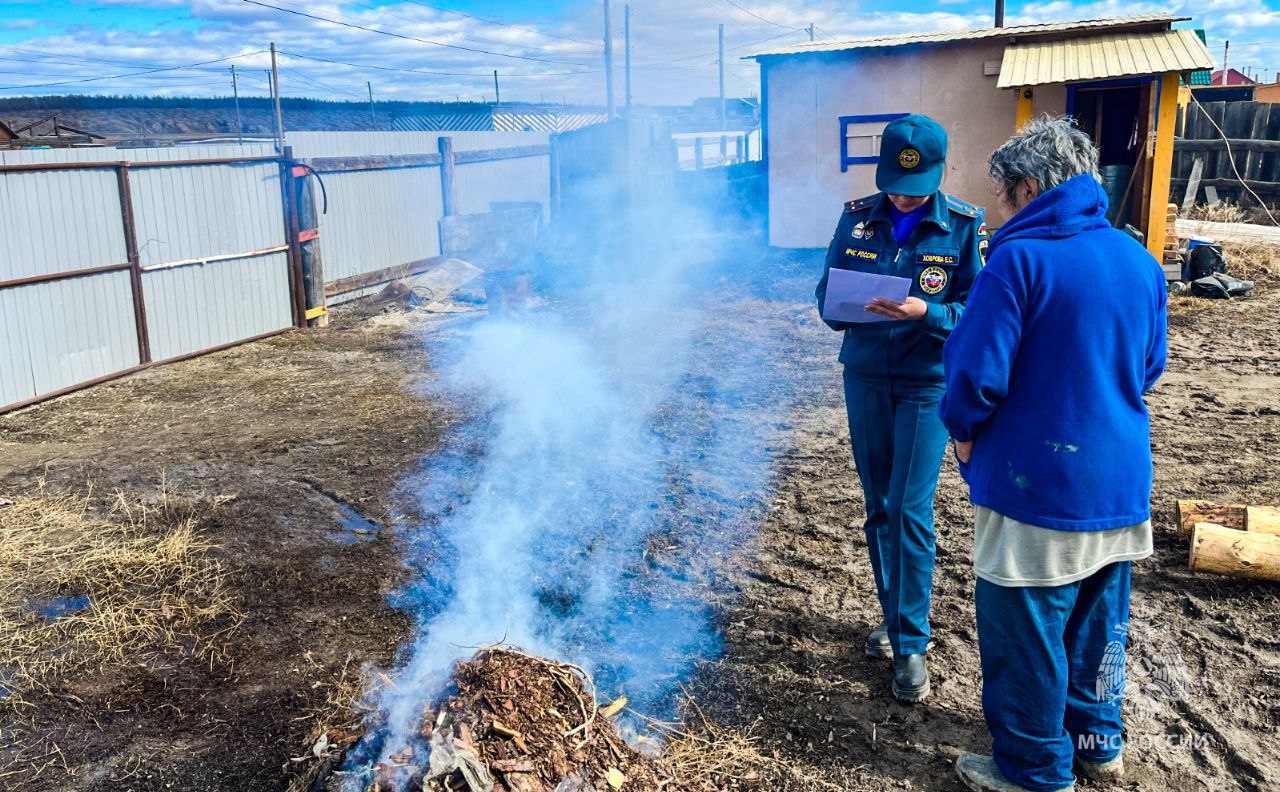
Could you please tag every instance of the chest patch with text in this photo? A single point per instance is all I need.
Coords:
(859, 253)
(941, 259)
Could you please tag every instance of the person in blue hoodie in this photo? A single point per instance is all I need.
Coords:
(1064, 333)
(893, 373)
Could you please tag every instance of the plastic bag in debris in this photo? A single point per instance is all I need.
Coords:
(575, 783)
(446, 759)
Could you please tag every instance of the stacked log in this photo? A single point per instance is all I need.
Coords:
(1232, 540)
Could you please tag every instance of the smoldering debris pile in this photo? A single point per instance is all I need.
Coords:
(517, 723)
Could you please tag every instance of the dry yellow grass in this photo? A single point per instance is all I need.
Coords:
(142, 585)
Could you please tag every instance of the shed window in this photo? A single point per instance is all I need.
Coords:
(860, 138)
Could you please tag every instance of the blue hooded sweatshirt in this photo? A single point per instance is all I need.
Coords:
(1064, 332)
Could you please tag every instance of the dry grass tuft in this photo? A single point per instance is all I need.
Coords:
(1224, 212)
(1253, 261)
(91, 593)
(704, 756)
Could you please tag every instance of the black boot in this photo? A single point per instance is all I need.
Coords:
(878, 642)
(910, 678)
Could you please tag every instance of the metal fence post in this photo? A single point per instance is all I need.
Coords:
(135, 264)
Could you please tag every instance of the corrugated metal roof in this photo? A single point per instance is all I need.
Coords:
(1102, 57)
(946, 36)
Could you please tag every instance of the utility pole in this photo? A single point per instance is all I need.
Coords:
(497, 92)
(235, 91)
(626, 55)
(372, 115)
(1226, 48)
(721, 62)
(810, 30)
(608, 64)
(275, 90)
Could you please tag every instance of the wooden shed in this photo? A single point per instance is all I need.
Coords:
(827, 102)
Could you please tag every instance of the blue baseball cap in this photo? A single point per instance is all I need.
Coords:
(913, 153)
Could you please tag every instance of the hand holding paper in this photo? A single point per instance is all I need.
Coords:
(849, 292)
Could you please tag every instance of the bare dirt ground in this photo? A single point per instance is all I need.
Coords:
(313, 430)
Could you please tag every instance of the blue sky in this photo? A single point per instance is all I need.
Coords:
(544, 51)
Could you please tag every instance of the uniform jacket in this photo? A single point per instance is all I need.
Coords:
(1064, 334)
(942, 257)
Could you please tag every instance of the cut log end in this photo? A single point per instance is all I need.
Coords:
(1227, 551)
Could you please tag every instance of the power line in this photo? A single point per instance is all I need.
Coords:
(409, 38)
(712, 54)
(382, 10)
(504, 24)
(133, 74)
(750, 13)
(298, 76)
(485, 75)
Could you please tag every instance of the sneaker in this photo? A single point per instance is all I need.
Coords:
(980, 773)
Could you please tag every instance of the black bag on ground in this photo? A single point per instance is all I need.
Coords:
(1221, 287)
(1203, 261)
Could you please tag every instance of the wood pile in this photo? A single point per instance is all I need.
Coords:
(1232, 540)
(534, 724)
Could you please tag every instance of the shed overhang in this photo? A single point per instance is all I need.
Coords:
(1103, 57)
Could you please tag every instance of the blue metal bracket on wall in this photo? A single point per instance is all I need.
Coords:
(845, 121)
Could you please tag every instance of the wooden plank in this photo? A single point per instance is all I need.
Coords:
(1233, 182)
(394, 161)
(1234, 124)
(1257, 131)
(1213, 114)
(448, 177)
(1271, 161)
(1229, 232)
(1193, 184)
(354, 282)
(493, 155)
(366, 163)
(1161, 165)
(1240, 146)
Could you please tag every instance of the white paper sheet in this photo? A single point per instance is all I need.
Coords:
(848, 293)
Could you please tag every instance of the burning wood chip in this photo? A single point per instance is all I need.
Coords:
(615, 707)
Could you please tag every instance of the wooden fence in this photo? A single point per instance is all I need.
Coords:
(1253, 134)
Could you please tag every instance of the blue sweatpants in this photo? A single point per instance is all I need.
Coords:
(898, 441)
(1053, 673)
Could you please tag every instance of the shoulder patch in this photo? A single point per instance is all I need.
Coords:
(964, 207)
(861, 203)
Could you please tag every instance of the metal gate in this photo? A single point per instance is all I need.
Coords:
(107, 267)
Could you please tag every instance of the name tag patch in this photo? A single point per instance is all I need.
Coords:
(943, 259)
(933, 280)
(858, 253)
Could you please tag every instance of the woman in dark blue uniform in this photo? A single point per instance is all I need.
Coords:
(893, 373)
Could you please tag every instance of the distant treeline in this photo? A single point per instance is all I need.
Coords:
(108, 102)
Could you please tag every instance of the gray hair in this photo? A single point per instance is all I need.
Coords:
(1048, 149)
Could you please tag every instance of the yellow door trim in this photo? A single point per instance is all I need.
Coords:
(1024, 108)
(1162, 165)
